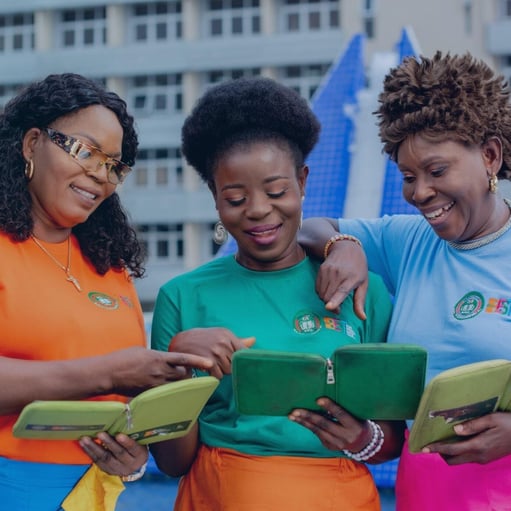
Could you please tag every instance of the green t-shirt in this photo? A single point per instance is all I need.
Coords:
(282, 310)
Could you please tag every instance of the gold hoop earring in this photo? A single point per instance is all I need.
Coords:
(29, 170)
(493, 183)
(220, 233)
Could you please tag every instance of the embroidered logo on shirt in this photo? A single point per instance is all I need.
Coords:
(102, 300)
(306, 323)
(127, 301)
(310, 323)
(500, 306)
(340, 326)
(469, 305)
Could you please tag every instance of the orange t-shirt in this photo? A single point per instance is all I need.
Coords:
(44, 317)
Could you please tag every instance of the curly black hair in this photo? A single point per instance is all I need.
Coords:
(244, 111)
(454, 96)
(106, 237)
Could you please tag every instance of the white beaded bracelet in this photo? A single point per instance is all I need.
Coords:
(138, 474)
(372, 448)
(135, 476)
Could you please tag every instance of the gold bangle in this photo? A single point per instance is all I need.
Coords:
(339, 237)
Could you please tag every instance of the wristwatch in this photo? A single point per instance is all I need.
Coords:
(135, 476)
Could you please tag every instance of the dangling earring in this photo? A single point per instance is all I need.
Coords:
(301, 215)
(220, 233)
(494, 183)
(29, 170)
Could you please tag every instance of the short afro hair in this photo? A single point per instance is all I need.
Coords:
(458, 97)
(243, 111)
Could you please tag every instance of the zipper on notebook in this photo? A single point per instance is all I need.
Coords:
(330, 378)
(127, 411)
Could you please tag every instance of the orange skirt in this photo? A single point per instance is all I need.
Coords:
(226, 480)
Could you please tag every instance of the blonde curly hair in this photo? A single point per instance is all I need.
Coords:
(456, 97)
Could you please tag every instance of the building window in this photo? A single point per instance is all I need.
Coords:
(17, 32)
(163, 243)
(82, 27)
(303, 79)
(222, 75)
(155, 94)
(505, 8)
(467, 16)
(505, 65)
(308, 15)
(368, 18)
(369, 27)
(231, 17)
(155, 21)
(157, 169)
(7, 92)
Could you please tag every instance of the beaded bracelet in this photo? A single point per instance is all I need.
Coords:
(339, 237)
(138, 474)
(372, 448)
(135, 476)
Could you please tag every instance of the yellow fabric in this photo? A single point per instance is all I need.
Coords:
(95, 491)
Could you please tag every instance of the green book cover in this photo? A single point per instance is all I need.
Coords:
(161, 413)
(457, 395)
(371, 381)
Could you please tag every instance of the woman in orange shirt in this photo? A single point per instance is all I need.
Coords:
(71, 323)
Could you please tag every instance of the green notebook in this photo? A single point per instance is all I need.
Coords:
(457, 395)
(371, 381)
(160, 413)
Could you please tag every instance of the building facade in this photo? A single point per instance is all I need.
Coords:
(160, 56)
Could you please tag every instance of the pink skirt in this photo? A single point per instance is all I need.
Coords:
(425, 482)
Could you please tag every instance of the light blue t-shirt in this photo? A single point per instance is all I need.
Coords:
(455, 303)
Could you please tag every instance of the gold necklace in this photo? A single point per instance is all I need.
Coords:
(66, 269)
(483, 240)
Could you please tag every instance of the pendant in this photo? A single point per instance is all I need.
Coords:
(73, 281)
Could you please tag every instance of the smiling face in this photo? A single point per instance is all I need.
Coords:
(63, 193)
(448, 182)
(258, 196)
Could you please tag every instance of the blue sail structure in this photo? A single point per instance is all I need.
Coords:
(392, 197)
(335, 104)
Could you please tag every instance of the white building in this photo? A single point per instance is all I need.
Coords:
(160, 56)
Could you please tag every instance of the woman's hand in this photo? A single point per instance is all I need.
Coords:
(134, 370)
(344, 270)
(119, 456)
(215, 343)
(336, 428)
(488, 438)
(127, 372)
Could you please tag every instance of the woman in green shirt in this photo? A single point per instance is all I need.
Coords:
(248, 140)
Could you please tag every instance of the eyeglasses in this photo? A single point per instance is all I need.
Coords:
(90, 158)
